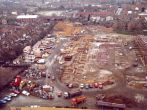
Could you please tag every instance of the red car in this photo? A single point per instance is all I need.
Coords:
(100, 85)
(15, 91)
(59, 94)
(96, 85)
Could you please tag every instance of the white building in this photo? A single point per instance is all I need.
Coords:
(109, 18)
(27, 16)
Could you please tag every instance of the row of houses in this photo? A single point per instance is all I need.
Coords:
(14, 37)
(108, 13)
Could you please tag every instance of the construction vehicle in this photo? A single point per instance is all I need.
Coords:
(71, 94)
(77, 100)
(16, 82)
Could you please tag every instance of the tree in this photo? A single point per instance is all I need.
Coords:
(131, 26)
(115, 26)
(139, 26)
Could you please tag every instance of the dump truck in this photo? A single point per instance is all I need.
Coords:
(77, 100)
(71, 94)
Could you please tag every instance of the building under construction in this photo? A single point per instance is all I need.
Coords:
(140, 44)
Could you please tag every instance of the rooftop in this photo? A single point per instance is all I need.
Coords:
(27, 16)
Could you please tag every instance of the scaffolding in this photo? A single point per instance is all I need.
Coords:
(141, 48)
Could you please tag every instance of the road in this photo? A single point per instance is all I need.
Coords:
(53, 65)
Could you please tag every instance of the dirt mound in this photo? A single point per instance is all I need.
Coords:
(121, 100)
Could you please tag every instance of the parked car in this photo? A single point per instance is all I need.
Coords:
(51, 89)
(86, 86)
(135, 64)
(100, 86)
(31, 85)
(59, 94)
(96, 85)
(13, 94)
(2, 102)
(43, 74)
(81, 86)
(44, 95)
(51, 96)
(90, 85)
(41, 61)
(53, 78)
(70, 86)
(7, 98)
(24, 92)
(16, 91)
(23, 83)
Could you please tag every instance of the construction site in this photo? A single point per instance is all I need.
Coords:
(107, 68)
(73, 55)
(94, 56)
(116, 61)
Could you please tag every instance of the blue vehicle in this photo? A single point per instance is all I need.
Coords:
(7, 98)
(2, 102)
